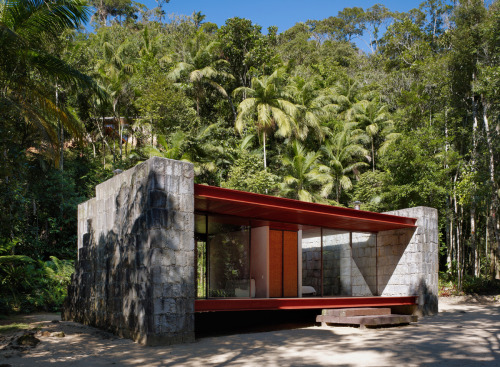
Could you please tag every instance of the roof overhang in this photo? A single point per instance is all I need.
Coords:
(271, 210)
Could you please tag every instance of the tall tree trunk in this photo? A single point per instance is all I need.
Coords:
(449, 234)
(473, 164)
(60, 133)
(460, 250)
(495, 243)
(152, 133)
(451, 247)
(475, 248)
(105, 142)
(120, 130)
(373, 156)
(458, 237)
(232, 107)
(264, 141)
(449, 204)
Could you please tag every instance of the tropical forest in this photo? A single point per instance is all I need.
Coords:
(389, 109)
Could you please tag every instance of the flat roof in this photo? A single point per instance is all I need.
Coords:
(275, 211)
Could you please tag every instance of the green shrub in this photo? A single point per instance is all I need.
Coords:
(28, 285)
(480, 285)
(447, 286)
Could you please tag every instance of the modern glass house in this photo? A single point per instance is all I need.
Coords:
(154, 249)
(260, 252)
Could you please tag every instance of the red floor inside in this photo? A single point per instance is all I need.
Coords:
(251, 304)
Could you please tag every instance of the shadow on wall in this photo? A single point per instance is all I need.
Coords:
(364, 264)
(391, 247)
(132, 277)
(427, 300)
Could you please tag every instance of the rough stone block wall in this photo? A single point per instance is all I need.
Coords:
(408, 259)
(135, 270)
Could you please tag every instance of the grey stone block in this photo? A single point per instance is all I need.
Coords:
(416, 258)
(126, 271)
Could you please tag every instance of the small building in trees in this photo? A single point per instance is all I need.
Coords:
(154, 249)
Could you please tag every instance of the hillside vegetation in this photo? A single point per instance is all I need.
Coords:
(304, 114)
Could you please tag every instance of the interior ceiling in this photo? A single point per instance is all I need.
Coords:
(292, 214)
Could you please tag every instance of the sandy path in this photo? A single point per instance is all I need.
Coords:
(464, 333)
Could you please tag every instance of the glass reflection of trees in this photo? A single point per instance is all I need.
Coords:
(229, 263)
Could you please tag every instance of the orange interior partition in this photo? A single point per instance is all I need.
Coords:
(283, 264)
(275, 263)
(290, 272)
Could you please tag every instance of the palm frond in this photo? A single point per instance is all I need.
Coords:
(243, 90)
(283, 121)
(179, 69)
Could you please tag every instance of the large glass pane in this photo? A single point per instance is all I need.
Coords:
(311, 262)
(201, 255)
(228, 257)
(364, 264)
(336, 263)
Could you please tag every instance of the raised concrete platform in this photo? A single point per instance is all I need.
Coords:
(347, 312)
(363, 317)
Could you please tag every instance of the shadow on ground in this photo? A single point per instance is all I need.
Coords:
(462, 335)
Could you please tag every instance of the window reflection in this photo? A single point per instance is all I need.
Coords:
(227, 264)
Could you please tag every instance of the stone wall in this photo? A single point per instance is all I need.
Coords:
(408, 260)
(135, 270)
(364, 264)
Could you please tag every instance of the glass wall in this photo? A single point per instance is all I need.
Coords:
(200, 238)
(336, 263)
(225, 253)
(311, 262)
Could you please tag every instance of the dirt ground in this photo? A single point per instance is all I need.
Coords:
(466, 332)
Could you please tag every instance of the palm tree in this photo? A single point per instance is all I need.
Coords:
(172, 151)
(29, 72)
(114, 74)
(204, 152)
(196, 148)
(374, 119)
(307, 179)
(346, 93)
(343, 154)
(198, 18)
(202, 73)
(313, 105)
(267, 103)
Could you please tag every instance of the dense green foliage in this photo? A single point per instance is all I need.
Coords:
(302, 114)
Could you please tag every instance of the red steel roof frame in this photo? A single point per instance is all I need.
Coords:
(272, 209)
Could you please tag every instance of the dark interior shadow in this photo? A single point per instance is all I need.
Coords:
(238, 322)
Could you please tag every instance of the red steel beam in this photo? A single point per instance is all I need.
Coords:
(252, 304)
(210, 196)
